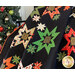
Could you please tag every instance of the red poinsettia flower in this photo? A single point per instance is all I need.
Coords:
(70, 37)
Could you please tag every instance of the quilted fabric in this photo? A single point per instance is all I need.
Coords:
(37, 43)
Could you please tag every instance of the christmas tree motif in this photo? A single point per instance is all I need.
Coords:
(61, 56)
(70, 38)
(36, 18)
(46, 39)
(31, 49)
(23, 37)
(8, 17)
(37, 65)
(20, 66)
(36, 11)
(16, 59)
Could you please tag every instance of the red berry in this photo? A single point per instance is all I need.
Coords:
(2, 9)
(1, 29)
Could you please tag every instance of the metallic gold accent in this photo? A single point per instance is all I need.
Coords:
(51, 8)
(47, 39)
(25, 36)
(72, 40)
(68, 62)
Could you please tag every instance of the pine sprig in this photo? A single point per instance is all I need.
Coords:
(8, 20)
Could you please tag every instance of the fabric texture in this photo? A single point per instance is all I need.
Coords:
(39, 42)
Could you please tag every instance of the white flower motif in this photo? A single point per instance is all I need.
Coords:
(41, 26)
(36, 18)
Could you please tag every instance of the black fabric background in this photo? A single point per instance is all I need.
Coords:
(48, 61)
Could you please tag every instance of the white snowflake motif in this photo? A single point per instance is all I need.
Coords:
(41, 26)
(36, 18)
